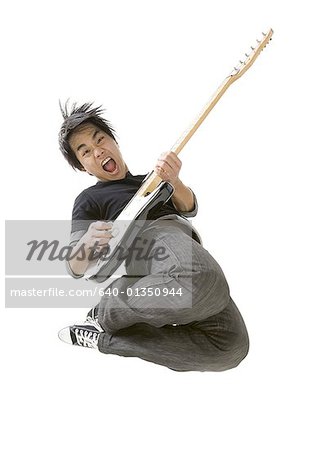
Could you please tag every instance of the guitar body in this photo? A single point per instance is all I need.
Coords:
(126, 228)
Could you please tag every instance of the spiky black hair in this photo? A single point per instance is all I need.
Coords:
(75, 116)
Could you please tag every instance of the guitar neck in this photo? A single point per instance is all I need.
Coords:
(154, 180)
(184, 138)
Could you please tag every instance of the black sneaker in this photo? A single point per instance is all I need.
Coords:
(92, 315)
(85, 335)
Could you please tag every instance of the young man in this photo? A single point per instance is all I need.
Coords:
(199, 328)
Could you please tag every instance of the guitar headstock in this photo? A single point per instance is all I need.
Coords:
(243, 66)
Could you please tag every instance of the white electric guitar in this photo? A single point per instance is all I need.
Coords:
(154, 192)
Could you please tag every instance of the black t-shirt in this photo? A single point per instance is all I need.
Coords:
(106, 199)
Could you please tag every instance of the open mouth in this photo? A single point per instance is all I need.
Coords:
(109, 165)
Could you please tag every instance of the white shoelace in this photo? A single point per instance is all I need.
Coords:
(94, 322)
(87, 338)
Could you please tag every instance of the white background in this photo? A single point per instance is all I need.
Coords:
(153, 65)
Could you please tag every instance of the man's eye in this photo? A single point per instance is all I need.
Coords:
(100, 139)
(85, 152)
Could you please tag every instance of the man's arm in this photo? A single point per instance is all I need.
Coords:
(183, 197)
(168, 167)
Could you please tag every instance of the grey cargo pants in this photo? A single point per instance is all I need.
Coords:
(198, 329)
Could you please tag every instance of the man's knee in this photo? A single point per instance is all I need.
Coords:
(210, 291)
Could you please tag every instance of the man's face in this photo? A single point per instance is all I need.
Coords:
(98, 153)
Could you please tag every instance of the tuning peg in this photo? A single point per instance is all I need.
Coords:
(259, 42)
(252, 48)
(241, 62)
(264, 34)
(247, 55)
(236, 68)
